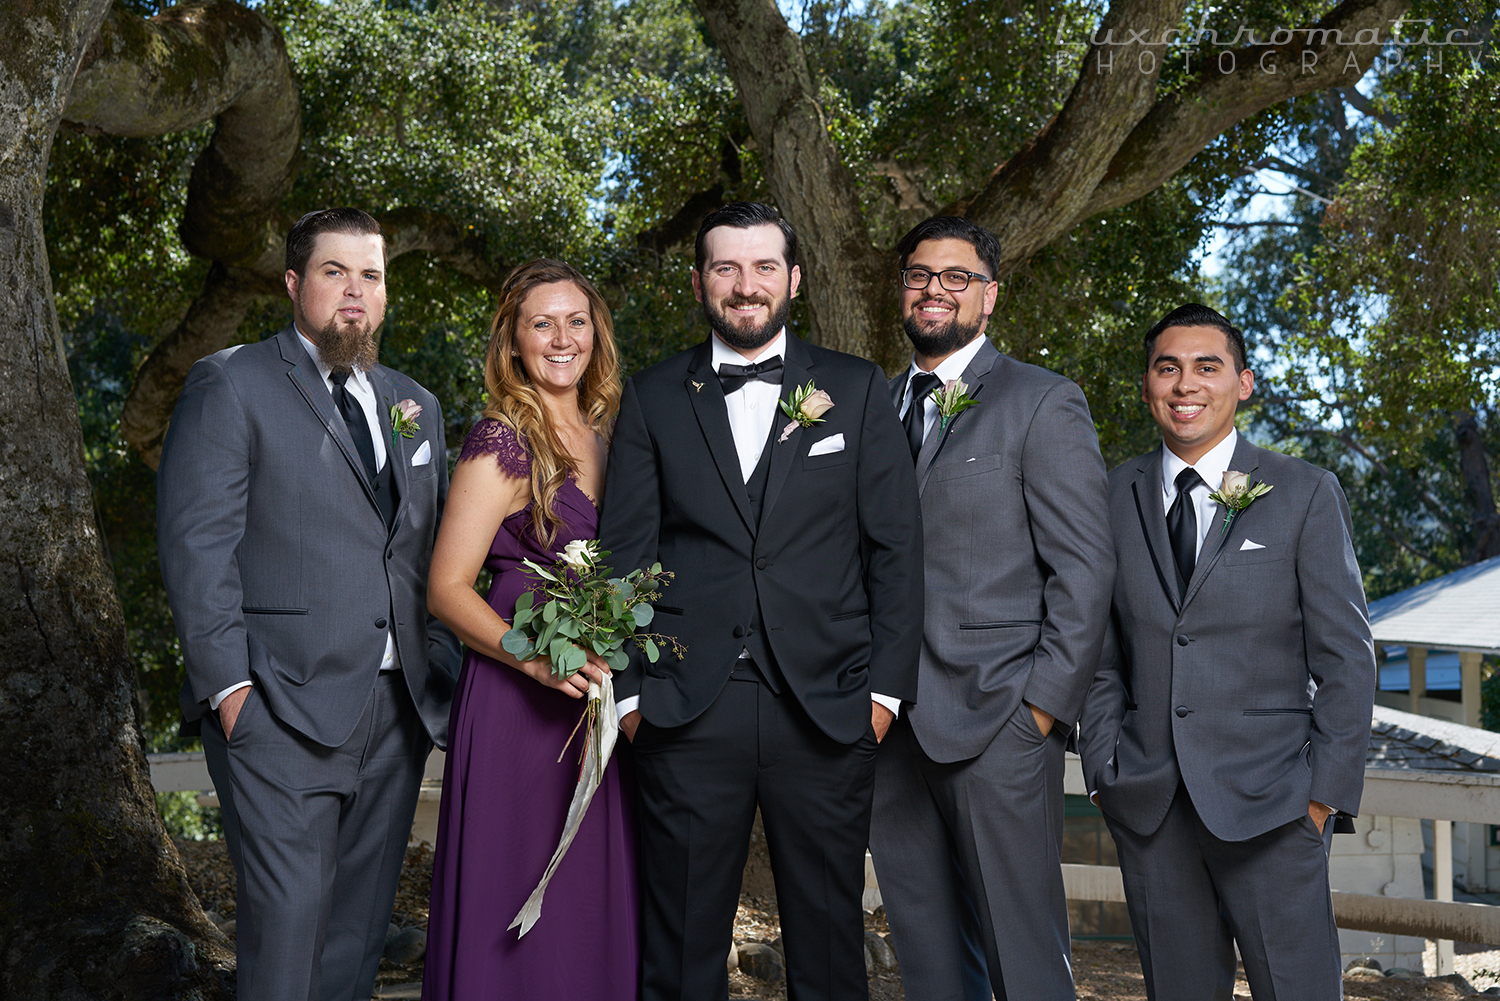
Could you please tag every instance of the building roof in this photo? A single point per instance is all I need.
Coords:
(1422, 743)
(1459, 611)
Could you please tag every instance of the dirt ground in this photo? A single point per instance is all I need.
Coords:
(1104, 971)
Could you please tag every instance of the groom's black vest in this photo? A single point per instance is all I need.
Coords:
(760, 651)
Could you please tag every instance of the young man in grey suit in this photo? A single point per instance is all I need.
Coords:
(1231, 710)
(967, 832)
(296, 511)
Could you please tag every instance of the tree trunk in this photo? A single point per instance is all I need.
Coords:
(1479, 494)
(95, 900)
(847, 279)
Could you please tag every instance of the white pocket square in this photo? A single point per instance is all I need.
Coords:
(833, 443)
(423, 455)
(1247, 544)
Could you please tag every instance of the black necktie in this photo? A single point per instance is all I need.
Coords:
(354, 417)
(732, 377)
(1182, 528)
(916, 414)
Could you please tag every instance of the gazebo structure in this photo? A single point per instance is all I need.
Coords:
(1458, 612)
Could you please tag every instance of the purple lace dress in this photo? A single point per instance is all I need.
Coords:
(505, 798)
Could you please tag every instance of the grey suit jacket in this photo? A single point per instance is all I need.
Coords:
(1018, 563)
(278, 566)
(1255, 691)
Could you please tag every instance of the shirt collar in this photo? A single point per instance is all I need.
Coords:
(1211, 466)
(723, 353)
(951, 367)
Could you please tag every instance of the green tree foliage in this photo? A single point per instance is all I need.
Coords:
(1372, 299)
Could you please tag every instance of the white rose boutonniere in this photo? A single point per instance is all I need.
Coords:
(1236, 494)
(806, 408)
(404, 419)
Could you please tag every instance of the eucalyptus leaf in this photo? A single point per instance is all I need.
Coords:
(549, 611)
(618, 660)
(643, 614)
(515, 643)
(652, 653)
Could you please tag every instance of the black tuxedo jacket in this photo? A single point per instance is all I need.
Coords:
(834, 565)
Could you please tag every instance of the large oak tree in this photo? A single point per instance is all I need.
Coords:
(95, 902)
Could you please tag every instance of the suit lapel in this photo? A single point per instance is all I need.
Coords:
(797, 372)
(395, 454)
(1147, 488)
(309, 382)
(980, 368)
(703, 391)
(1246, 460)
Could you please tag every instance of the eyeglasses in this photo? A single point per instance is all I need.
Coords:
(954, 281)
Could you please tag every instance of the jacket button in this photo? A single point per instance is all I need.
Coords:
(760, 564)
(1182, 711)
(1182, 641)
(739, 632)
(380, 623)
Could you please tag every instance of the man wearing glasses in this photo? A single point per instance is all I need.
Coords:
(968, 819)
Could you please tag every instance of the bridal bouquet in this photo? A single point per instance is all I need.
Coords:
(581, 609)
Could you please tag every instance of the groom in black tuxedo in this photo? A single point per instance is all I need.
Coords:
(798, 593)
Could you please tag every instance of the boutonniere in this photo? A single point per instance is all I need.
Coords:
(952, 400)
(1236, 494)
(806, 407)
(404, 419)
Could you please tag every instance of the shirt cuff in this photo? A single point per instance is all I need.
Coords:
(214, 700)
(894, 705)
(629, 704)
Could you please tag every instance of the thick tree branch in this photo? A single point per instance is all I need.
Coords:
(209, 325)
(412, 229)
(186, 66)
(1335, 52)
(1042, 191)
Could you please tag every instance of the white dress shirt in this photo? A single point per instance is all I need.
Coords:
(948, 369)
(1211, 467)
(358, 386)
(754, 406)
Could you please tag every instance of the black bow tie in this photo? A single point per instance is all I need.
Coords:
(732, 377)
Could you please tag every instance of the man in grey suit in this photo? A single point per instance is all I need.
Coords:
(1231, 710)
(297, 502)
(967, 830)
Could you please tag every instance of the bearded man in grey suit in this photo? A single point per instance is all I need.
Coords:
(967, 828)
(297, 502)
(1231, 711)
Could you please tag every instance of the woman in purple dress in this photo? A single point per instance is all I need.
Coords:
(527, 483)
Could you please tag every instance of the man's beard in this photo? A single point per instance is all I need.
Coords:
(346, 346)
(748, 340)
(942, 341)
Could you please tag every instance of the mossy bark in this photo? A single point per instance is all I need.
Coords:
(94, 901)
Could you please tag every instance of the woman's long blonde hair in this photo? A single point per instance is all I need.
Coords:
(515, 401)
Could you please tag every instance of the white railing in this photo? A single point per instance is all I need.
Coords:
(1443, 797)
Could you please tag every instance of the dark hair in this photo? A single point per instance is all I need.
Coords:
(952, 227)
(1195, 314)
(744, 215)
(305, 232)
